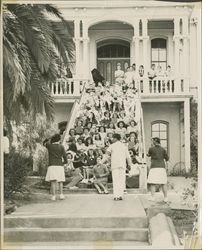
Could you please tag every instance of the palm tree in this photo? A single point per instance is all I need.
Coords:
(32, 49)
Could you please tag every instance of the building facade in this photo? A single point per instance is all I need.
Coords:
(144, 33)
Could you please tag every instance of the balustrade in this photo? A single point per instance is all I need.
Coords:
(157, 86)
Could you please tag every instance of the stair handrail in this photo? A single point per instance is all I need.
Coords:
(142, 125)
(76, 105)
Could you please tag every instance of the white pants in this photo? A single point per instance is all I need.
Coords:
(119, 181)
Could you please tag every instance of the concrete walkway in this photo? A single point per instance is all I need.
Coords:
(85, 205)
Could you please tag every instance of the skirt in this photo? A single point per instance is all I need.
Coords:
(55, 173)
(157, 176)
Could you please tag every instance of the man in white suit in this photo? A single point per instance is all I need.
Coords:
(119, 156)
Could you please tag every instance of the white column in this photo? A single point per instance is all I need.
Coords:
(185, 46)
(136, 41)
(177, 43)
(187, 133)
(177, 53)
(145, 44)
(132, 52)
(198, 48)
(85, 51)
(77, 46)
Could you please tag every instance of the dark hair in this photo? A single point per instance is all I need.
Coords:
(92, 150)
(133, 121)
(72, 129)
(102, 127)
(156, 139)
(70, 155)
(135, 134)
(80, 139)
(98, 135)
(55, 138)
(86, 141)
(112, 124)
(114, 114)
(106, 112)
(133, 64)
(124, 125)
(117, 136)
(79, 121)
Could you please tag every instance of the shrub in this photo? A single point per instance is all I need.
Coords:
(194, 137)
(16, 168)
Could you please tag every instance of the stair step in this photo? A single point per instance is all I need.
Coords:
(64, 222)
(78, 245)
(89, 190)
(75, 234)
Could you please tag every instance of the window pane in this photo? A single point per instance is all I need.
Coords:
(109, 72)
(163, 143)
(163, 135)
(162, 54)
(163, 126)
(158, 43)
(155, 134)
(155, 127)
(154, 54)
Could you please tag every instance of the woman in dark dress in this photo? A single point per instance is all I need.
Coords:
(157, 173)
(55, 172)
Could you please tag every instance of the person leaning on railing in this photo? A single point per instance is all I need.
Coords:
(152, 72)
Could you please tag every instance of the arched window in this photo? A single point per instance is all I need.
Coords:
(160, 129)
(159, 52)
(113, 50)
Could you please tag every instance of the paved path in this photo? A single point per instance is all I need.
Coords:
(92, 205)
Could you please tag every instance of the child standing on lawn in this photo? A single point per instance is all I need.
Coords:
(55, 173)
(101, 173)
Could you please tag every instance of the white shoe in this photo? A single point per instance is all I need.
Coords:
(62, 197)
(151, 198)
(53, 198)
(125, 192)
(84, 181)
(165, 199)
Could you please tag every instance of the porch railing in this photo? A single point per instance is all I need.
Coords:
(157, 86)
(68, 87)
(164, 86)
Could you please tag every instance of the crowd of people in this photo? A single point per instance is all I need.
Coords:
(107, 125)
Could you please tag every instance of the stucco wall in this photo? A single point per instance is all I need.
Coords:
(169, 112)
(62, 112)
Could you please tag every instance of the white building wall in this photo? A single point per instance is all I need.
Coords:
(62, 112)
(169, 112)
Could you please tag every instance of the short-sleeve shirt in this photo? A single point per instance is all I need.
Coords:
(158, 155)
(119, 153)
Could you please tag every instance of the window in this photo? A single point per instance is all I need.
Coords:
(113, 51)
(160, 129)
(159, 52)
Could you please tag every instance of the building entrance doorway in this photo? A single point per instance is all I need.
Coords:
(109, 54)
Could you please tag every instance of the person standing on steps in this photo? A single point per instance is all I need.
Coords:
(57, 157)
(157, 174)
(119, 156)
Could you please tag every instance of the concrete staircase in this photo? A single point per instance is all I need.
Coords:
(105, 220)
